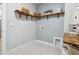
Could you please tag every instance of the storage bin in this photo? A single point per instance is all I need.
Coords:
(24, 10)
(37, 14)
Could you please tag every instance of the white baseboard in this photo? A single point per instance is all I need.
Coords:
(51, 44)
(30, 43)
(20, 46)
(47, 43)
(36, 40)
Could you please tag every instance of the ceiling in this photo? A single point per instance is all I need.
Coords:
(38, 3)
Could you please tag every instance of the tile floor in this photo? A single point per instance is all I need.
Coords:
(36, 48)
(70, 49)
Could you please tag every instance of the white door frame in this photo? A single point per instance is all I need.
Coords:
(4, 29)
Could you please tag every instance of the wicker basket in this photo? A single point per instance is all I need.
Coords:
(37, 14)
(24, 10)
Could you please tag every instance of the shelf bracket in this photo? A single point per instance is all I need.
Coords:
(20, 15)
(58, 15)
(47, 17)
(31, 17)
(39, 18)
(26, 16)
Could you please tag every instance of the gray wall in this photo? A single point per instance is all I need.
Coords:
(46, 6)
(53, 26)
(19, 32)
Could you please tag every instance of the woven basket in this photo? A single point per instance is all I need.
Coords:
(37, 14)
(24, 10)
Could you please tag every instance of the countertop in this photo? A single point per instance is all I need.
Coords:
(71, 39)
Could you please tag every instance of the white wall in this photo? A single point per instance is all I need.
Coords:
(19, 32)
(0, 28)
(0, 18)
(68, 16)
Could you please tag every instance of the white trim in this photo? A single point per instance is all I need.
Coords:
(47, 43)
(73, 33)
(43, 42)
(20, 46)
(28, 44)
(4, 29)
